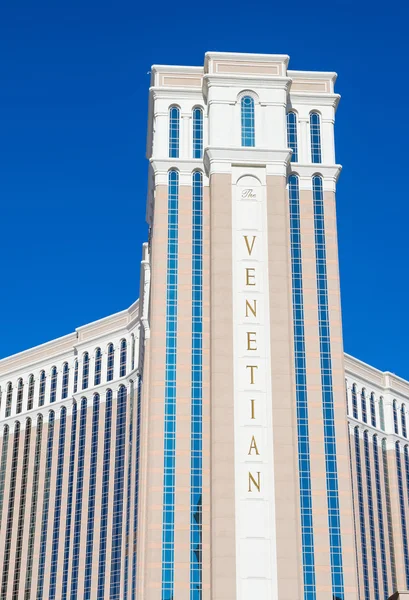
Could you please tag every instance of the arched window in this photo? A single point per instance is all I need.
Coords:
(9, 398)
(75, 376)
(122, 359)
(403, 420)
(361, 507)
(19, 396)
(110, 362)
(174, 131)
(363, 406)
(247, 121)
(132, 352)
(292, 139)
(315, 134)
(98, 366)
(197, 132)
(395, 418)
(373, 411)
(65, 377)
(41, 392)
(346, 395)
(53, 386)
(85, 370)
(30, 399)
(381, 414)
(354, 402)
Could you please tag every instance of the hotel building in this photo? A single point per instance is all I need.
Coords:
(213, 441)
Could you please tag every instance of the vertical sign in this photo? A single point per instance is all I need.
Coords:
(254, 467)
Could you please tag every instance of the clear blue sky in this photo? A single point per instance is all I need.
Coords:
(73, 113)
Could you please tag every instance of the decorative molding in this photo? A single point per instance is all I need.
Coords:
(221, 160)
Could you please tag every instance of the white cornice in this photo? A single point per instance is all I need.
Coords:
(170, 92)
(329, 173)
(221, 160)
(315, 99)
(176, 69)
(185, 167)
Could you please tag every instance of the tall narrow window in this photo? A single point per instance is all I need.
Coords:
(132, 352)
(197, 132)
(75, 376)
(363, 406)
(381, 414)
(304, 463)
(103, 523)
(402, 504)
(371, 515)
(68, 516)
(85, 370)
(174, 131)
(30, 399)
(110, 362)
(9, 399)
(315, 133)
(247, 121)
(58, 502)
(136, 496)
(354, 402)
(53, 384)
(403, 420)
(118, 500)
(4, 452)
(78, 500)
(395, 418)
(46, 504)
(346, 396)
(33, 508)
(292, 139)
(362, 512)
(389, 511)
(21, 511)
(373, 411)
(98, 366)
(91, 499)
(65, 377)
(7, 536)
(127, 553)
(122, 359)
(41, 391)
(382, 537)
(19, 396)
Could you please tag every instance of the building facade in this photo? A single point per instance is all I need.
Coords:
(213, 441)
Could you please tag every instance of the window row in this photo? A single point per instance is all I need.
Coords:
(399, 419)
(174, 132)
(81, 374)
(315, 136)
(366, 407)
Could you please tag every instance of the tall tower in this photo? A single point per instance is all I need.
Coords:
(245, 486)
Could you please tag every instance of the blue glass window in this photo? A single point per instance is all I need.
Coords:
(110, 362)
(91, 499)
(65, 377)
(382, 542)
(118, 503)
(381, 414)
(170, 389)
(78, 499)
(7, 535)
(127, 556)
(53, 384)
(315, 134)
(46, 505)
(41, 392)
(371, 514)
(174, 131)
(70, 494)
(136, 501)
(9, 399)
(33, 508)
(247, 121)
(133, 352)
(105, 497)
(22, 508)
(75, 376)
(85, 370)
(307, 529)
(335, 541)
(196, 391)
(4, 452)
(373, 410)
(403, 421)
(363, 406)
(30, 399)
(361, 506)
(395, 418)
(389, 512)
(292, 138)
(57, 509)
(19, 396)
(197, 132)
(122, 358)
(354, 402)
(402, 511)
(98, 366)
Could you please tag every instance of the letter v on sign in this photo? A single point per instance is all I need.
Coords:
(249, 246)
